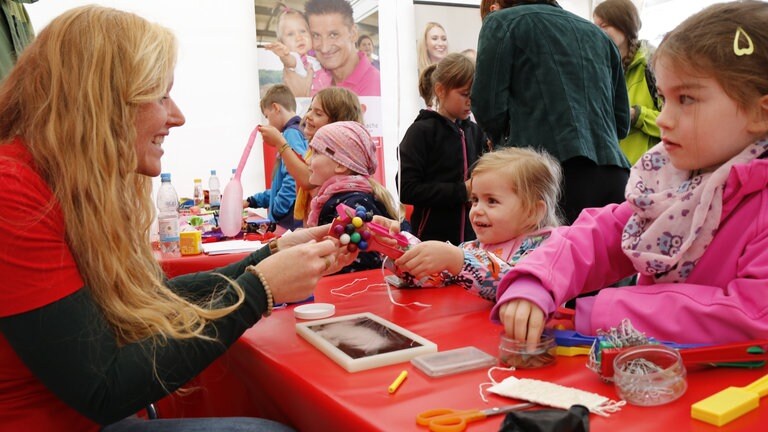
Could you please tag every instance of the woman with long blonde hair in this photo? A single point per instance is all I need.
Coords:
(90, 330)
(432, 46)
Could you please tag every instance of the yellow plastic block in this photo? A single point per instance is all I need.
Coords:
(731, 403)
(572, 351)
(191, 242)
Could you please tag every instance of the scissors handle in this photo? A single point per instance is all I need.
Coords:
(448, 420)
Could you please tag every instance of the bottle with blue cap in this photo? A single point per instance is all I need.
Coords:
(214, 190)
(168, 217)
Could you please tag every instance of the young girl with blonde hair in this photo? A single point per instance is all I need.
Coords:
(695, 221)
(343, 162)
(90, 329)
(514, 194)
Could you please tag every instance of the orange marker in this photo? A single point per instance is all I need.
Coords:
(396, 383)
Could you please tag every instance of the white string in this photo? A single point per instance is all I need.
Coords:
(389, 290)
(335, 291)
(493, 382)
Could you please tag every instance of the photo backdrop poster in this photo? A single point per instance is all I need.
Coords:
(325, 47)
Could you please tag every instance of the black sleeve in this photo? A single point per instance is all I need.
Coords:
(70, 347)
(200, 286)
(417, 186)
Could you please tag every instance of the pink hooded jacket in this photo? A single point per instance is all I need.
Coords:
(724, 299)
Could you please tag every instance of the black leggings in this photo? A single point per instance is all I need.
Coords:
(586, 184)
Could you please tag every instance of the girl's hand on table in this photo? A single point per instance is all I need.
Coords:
(303, 235)
(523, 321)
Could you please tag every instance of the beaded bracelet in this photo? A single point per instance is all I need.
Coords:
(267, 290)
(282, 148)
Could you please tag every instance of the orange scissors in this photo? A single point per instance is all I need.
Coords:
(451, 420)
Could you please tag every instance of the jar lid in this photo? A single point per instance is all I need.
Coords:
(314, 311)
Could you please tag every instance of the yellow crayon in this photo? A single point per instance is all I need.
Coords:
(399, 380)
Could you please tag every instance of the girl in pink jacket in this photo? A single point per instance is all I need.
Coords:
(695, 222)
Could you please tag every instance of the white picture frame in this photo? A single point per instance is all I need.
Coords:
(364, 341)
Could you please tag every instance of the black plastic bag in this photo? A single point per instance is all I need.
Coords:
(576, 419)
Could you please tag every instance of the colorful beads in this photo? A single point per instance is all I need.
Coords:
(351, 229)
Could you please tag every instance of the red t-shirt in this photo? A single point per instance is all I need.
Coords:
(37, 269)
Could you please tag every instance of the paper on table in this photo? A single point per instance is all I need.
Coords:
(231, 246)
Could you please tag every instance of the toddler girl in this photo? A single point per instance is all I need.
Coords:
(436, 153)
(342, 163)
(514, 193)
(293, 42)
(695, 221)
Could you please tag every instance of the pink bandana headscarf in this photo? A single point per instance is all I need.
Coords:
(676, 213)
(347, 143)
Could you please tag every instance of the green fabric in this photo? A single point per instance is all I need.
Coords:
(15, 33)
(644, 133)
(549, 79)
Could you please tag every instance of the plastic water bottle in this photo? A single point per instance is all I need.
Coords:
(214, 190)
(168, 217)
(197, 193)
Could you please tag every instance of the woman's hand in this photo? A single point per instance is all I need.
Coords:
(272, 136)
(293, 273)
(303, 235)
(431, 257)
(523, 321)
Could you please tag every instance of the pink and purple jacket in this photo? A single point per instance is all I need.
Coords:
(724, 299)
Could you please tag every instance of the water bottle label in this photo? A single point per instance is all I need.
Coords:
(215, 198)
(169, 230)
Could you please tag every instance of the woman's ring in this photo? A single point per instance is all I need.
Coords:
(327, 263)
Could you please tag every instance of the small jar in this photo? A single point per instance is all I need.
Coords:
(513, 353)
(649, 375)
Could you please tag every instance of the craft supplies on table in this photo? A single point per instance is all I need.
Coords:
(649, 375)
(453, 361)
(731, 403)
(513, 353)
(364, 341)
(450, 420)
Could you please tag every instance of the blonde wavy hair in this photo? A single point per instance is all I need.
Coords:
(533, 175)
(73, 98)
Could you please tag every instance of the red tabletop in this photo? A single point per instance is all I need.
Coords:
(195, 263)
(272, 372)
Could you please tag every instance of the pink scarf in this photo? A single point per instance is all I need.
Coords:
(676, 213)
(332, 186)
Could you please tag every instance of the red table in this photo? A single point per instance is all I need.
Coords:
(274, 373)
(195, 263)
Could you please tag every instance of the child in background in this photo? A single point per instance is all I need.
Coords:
(620, 20)
(294, 42)
(514, 194)
(695, 222)
(436, 153)
(342, 163)
(426, 87)
(329, 105)
(279, 107)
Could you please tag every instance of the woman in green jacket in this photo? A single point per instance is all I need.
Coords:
(620, 20)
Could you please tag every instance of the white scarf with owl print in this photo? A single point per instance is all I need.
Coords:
(676, 213)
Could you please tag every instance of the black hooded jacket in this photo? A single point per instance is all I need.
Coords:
(432, 175)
